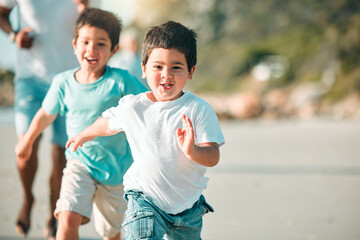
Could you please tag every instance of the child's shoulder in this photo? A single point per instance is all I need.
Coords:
(132, 98)
(196, 101)
(118, 73)
(128, 82)
(117, 70)
(64, 76)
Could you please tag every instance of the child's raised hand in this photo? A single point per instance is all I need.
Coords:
(185, 136)
(77, 141)
(206, 154)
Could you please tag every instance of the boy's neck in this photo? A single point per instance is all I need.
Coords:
(86, 77)
(150, 95)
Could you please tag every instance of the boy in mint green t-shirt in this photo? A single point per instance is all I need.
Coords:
(93, 174)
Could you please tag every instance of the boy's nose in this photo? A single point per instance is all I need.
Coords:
(90, 47)
(166, 74)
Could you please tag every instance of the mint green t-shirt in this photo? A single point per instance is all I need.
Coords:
(106, 158)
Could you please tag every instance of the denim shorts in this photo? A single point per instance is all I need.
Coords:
(144, 220)
(29, 94)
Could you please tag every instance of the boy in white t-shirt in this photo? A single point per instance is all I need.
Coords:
(173, 135)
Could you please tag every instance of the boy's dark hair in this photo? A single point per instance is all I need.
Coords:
(170, 35)
(105, 20)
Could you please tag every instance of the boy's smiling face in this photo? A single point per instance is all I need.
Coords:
(93, 48)
(167, 72)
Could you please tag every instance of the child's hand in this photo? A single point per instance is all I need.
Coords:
(23, 149)
(24, 38)
(185, 136)
(77, 141)
(206, 154)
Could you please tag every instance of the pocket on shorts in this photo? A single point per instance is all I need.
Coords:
(139, 225)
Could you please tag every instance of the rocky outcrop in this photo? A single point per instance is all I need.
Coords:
(303, 102)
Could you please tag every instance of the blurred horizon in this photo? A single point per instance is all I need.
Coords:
(268, 59)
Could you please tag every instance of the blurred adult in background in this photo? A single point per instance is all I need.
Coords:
(43, 38)
(128, 57)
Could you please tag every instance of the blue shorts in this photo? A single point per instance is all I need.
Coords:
(144, 220)
(29, 95)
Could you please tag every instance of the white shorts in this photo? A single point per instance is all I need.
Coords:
(80, 193)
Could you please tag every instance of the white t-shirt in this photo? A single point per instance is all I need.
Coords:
(160, 169)
(53, 23)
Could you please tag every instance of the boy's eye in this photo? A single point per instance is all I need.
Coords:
(158, 67)
(177, 68)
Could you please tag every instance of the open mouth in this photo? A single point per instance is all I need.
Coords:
(91, 60)
(167, 86)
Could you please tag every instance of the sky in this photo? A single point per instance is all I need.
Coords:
(124, 9)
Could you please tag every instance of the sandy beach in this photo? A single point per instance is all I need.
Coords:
(283, 180)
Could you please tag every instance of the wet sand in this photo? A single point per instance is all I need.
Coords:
(286, 180)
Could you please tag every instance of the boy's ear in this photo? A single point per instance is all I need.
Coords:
(74, 45)
(192, 70)
(143, 67)
(115, 49)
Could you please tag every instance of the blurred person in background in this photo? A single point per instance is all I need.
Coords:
(129, 57)
(43, 38)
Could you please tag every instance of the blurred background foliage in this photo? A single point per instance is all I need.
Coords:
(315, 37)
(6, 88)
(287, 57)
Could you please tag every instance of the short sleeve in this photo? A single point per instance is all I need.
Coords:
(207, 126)
(114, 116)
(8, 3)
(53, 102)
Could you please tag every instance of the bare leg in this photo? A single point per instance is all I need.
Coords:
(27, 170)
(58, 164)
(116, 237)
(69, 223)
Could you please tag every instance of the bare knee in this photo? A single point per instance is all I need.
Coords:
(69, 220)
(23, 164)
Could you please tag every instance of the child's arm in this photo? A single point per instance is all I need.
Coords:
(25, 143)
(99, 128)
(207, 154)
